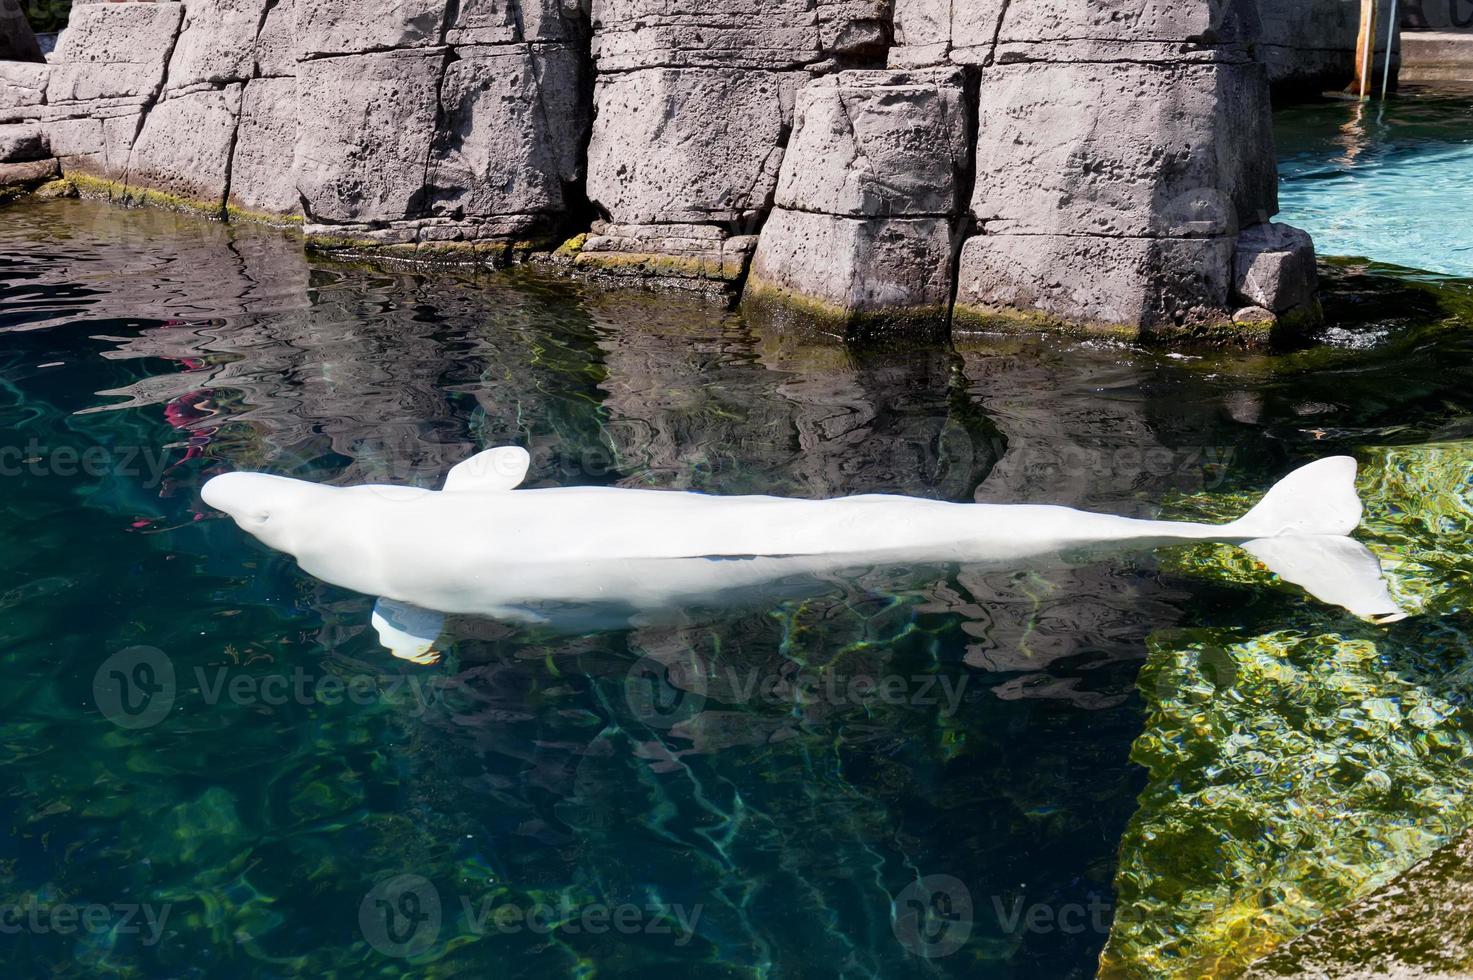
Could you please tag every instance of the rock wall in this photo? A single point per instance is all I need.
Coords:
(1437, 15)
(1309, 46)
(865, 163)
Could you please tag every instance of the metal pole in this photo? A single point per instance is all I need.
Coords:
(1390, 40)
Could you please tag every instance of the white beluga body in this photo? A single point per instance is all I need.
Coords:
(598, 556)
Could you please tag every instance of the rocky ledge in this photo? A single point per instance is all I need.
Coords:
(861, 165)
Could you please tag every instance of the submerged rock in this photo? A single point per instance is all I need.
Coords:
(1301, 764)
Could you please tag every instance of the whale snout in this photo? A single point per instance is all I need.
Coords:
(255, 501)
(237, 494)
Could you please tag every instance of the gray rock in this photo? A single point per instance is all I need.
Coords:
(263, 170)
(114, 50)
(25, 174)
(849, 269)
(1124, 149)
(750, 34)
(1125, 285)
(511, 131)
(868, 199)
(23, 144)
(1310, 46)
(1275, 268)
(22, 90)
(184, 147)
(655, 157)
(1418, 927)
(695, 257)
(504, 21)
(874, 143)
(96, 139)
(17, 41)
(394, 95)
(276, 42)
(217, 42)
(329, 27)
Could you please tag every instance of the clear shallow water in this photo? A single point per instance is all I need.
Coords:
(773, 820)
(1392, 181)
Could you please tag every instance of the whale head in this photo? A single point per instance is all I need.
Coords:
(276, 510)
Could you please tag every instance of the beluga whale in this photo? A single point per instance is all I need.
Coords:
(587, 558)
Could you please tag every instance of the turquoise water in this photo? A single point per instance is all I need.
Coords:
(297, 802)
(1392, 180)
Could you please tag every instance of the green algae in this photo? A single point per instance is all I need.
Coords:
(1298, 763)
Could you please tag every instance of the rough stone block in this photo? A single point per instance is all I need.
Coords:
(1124, 149)
(922, 33)
(772, 34)
(683, 256)
(276, 42)
(502, 21)
(656, 156)
(873, 143)
(392, 94)
(1310, 45)
(512, 128)
(22, 90)
(328, 27)
(854, 28)
(184, 147)
(1113, 283)
(263, 174)
(29, 172)
(113, 50)
(852, 267)
(97, 143)
(23, 143)
(217, 42)
(1275, 268)
(1199, 21)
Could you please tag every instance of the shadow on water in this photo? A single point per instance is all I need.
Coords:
(768, 795)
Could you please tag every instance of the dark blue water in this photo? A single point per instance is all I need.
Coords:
(894, 780)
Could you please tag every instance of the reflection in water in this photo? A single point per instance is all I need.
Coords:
(754, 768)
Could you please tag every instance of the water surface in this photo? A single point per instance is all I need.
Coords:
(775, 819)
(1390, 180)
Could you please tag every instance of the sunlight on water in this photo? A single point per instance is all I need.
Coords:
(1390, 182)
(729, 767)
(1296, 769)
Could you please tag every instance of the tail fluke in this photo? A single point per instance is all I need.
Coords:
(1334, 569)
(1301, 531)
(1318, 499)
